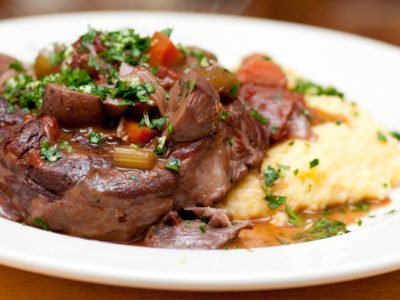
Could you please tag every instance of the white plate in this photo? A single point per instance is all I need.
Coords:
(366, 70)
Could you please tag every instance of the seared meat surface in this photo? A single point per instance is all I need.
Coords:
(65, 131)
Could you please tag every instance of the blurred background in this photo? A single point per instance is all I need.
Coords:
(379, 19)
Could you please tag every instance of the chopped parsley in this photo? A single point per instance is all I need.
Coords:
(154, 123)
(64, 145)
(131, 90)
(381, 137)
(395, 134)
(205, 219)
(225, 115)
(124, 46)
(89, 37)
(167, 31)
(93, 63)
(95, 138)
(271, 175)
(56, 58)
(170, 128)
(362, 206)
(294, 218)
(234, 89)
(17, 66)
(190, 86)
(40, 223)
(258, 117)
(126, 102)
(323, 228)
(154, 70)
(296, 172)
(274, 201)
(359, 222)
(204, 62)
(311, 88)
(160, 150)
(120, 46)
(203, 227)
(173, 164)
(314, 163)
(22, 90)
(49, 153)
(230, 141)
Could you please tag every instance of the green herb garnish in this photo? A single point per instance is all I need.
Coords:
(64, 145)
(314, 163)
(230, 141)
(381, 137)
(311, 88)
(95, 138)
(323, 228)
(154, 123)
(173, 164)
(395, 134)
(294, 218)
(49, 153)
(225, 115)
(258, 117)
(170, 128)
(203, 227)
(167, 31)
(271, 175)
(234, 89)
(274, 201)
(17, 66)
(40, 223)
(124, 46)
(160, 150)
(362, 206)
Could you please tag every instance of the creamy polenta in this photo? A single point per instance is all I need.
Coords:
(347, 161)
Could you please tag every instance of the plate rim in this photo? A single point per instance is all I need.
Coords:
(384, 265)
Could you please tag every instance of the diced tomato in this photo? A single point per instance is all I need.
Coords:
(163, 52)
(137, 134)
(257, 69)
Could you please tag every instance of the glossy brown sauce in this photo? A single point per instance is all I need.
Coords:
(266, 234)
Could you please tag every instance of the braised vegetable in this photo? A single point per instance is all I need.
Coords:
(221, 79)
(42, 66)
(258, 69)
(163, 52)
(133, 157)
(135, 132)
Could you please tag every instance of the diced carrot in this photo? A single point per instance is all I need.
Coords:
(137, 134)
(256, 69)
(163, 52)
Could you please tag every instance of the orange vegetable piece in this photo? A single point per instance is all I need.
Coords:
(163, 52)
(256, 69)
(137, 134)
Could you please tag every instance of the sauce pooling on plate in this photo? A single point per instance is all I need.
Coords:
(311, 226)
